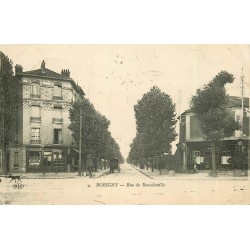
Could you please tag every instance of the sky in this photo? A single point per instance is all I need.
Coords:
(115, 77)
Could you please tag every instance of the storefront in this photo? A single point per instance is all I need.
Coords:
(46, 159)
(227, 152)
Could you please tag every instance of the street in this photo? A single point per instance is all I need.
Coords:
(127, 187)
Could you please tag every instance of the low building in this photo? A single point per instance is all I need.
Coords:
(193, 149)
(43, 140)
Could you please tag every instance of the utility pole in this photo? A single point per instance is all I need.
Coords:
(179, 102)
(242, 90)
(183, 156)
(80, 142)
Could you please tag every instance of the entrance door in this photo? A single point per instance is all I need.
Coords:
(58, 161)
(47, 159)
(34, 161)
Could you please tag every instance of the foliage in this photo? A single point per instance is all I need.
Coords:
(155, 124)
(9, 100)
(96, 139)
(210, 105)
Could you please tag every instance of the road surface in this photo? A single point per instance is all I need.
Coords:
(127, 187)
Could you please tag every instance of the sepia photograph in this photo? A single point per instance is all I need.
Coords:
(117, 124)
(124, 125)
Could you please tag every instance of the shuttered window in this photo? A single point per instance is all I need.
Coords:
(57, 91)
(35, 111)
(57, 113)
(35, 89)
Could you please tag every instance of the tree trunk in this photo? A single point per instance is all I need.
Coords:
(214, 171)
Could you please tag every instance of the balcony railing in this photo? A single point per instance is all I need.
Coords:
(35, 141)
(57, 97)
(35, 96)
(58, 142)
(57, 120)
(35, 119)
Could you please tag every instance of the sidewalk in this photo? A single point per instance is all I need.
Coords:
(52, 175)
(186, 176)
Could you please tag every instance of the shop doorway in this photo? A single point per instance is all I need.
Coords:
(58, 161)
(47, 160)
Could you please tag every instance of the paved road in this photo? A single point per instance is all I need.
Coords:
(127, 187)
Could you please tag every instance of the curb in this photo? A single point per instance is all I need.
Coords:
(242, 178)
(105, 173)
(23, 177)
(142, 172)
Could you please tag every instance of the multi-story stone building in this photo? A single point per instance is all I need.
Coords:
(192, 149)
(43, 140)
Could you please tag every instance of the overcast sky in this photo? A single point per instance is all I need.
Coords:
(114, 77)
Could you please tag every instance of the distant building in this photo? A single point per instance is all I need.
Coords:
(43, 140)
(192, 147)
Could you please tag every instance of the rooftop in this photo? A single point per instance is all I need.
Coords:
(46, 74)
(234, 102)
(43, 72)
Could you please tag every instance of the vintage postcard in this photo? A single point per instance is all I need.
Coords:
(124, 124)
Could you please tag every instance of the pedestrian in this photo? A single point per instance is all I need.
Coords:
(195, 165)
(90, 170)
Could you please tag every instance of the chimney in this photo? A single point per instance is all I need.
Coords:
(18, 69)
(65, 72)
(43, 67)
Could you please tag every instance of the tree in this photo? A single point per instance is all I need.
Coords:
(136, 149)
(9, 103)
(96, 139)
(155, 120)
(155, 124)
(210, 105)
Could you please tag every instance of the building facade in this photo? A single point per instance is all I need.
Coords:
(43, 140)
(193, 150)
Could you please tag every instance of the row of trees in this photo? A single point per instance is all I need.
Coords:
(155, 125)
(155, 119)
(96, 140)
(9, 103)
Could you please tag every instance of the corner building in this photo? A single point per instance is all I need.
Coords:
(192, 148)
(43, 141)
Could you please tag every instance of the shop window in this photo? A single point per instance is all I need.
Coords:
(34, 160)
(198, 159)
(59, 161)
